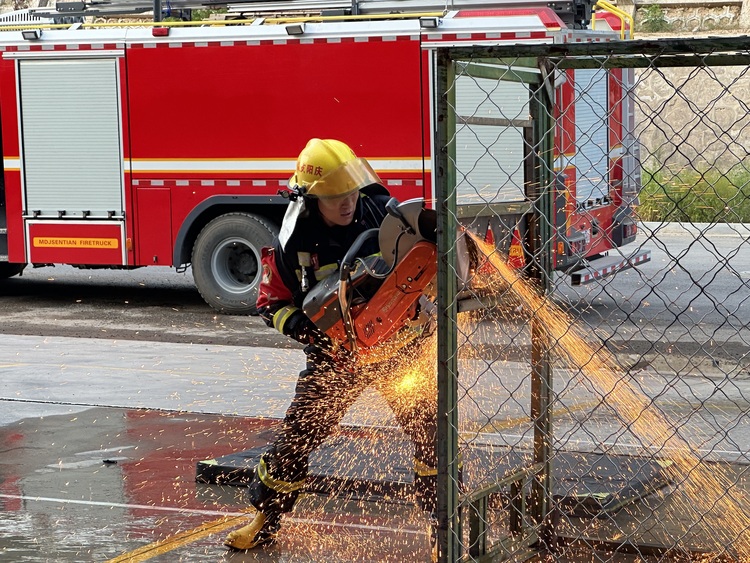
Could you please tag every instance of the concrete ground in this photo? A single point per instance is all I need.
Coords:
(100, 441)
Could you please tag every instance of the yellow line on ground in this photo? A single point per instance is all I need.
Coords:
(497, 425)
(178, 540)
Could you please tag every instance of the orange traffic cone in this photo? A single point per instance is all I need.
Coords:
(486, 267)
(515, 253)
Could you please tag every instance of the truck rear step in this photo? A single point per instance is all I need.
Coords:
(599, 268)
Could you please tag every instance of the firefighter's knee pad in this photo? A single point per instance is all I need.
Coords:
(269, 494)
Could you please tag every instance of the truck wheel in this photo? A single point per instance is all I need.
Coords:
(9, 270)
(226, 261)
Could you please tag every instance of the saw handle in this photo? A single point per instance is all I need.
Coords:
(347, 264)
(392, 208)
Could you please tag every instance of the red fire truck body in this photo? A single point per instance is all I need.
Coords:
(127, 147)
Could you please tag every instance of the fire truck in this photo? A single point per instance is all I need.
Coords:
(156, 145)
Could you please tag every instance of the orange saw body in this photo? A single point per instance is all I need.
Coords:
(373, 299)
(378, 316)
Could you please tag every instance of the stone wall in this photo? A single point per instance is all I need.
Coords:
(12, 5)
(691, 15)
(693, 117)
(698, 18)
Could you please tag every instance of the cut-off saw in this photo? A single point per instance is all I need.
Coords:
(378, 303)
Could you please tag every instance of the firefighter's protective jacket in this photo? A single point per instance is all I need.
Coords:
(313, 252)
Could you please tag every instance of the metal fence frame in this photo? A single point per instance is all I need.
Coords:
(538, 523)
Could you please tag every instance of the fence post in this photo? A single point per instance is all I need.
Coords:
(542, 111)
(449, 530)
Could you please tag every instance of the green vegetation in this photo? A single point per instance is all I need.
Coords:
(200, 14)
(205, 14)
(652, 19)
(710, 197)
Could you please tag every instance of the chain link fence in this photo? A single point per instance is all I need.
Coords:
(604, 420)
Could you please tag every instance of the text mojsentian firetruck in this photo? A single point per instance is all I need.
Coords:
(126, 147)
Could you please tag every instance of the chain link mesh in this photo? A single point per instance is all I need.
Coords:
(609, 417)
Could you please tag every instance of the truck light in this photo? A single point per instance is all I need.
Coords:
(31, 34)
(578, 246)
(160, 31)
(429, 22)
(573, 244)
(295, 28)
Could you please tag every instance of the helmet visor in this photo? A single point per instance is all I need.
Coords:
(350, 176)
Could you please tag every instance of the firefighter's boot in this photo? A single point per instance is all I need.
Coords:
(271, 497)
(261, 531)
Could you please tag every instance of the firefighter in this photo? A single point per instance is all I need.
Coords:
(335, 197)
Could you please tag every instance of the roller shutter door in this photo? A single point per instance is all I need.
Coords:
(70, 134)
(592, 147)
(490, 159)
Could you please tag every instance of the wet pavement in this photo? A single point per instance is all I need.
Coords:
(100, 441)
(110, 484)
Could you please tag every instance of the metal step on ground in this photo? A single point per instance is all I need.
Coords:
(376, 463)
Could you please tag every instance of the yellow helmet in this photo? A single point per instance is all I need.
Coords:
(327, 168)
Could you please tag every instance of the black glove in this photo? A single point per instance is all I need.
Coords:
(304, 331)
(338, 358)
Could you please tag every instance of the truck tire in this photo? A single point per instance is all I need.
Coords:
(226, 261)
(9, 270)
